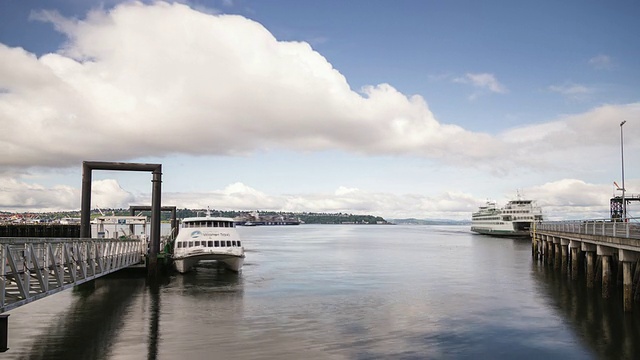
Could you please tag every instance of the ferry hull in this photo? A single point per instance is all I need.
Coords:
(233, 263)
(502, 233)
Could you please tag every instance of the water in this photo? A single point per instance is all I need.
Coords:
(338, 292)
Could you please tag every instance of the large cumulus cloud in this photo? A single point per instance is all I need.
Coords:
(141, 80)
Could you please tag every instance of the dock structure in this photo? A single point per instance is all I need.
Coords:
(38, 267)
(599, 248)
(156, 192)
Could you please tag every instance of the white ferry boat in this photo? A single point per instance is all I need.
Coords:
(208, 238)
(514, 219)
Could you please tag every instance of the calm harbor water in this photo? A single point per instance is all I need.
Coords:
(338, 292)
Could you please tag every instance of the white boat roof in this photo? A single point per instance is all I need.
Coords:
(208, 218)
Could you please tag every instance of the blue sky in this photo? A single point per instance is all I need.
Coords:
(401, 109)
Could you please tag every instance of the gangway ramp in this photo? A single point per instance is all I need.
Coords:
(38, 267)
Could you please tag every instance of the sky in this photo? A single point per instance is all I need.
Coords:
(423, 109)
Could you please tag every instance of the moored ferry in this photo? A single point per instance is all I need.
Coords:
(514, 219)
(208, 238)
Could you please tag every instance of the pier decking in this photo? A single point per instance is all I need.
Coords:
(588, 245)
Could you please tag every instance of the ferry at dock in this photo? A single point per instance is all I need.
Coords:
(208, 239)
(514, 219)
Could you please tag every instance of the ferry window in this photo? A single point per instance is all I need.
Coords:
(197, 243)
(190, 243)
(228, 243)
(211, 224)
(216, 243)
(179, 245)
(233, 243)
(239, 243)
(210, 243)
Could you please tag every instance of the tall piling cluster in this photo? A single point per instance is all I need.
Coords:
(604, 261)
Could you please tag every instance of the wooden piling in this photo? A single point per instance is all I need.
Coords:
(574, 263)
(557, 260)
(564, 265)
(590, 268)
(627, 281)
(606, 275)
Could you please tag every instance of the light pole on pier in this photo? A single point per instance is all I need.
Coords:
(624, 202)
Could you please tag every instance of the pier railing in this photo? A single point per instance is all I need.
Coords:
(603, 227)
(35, 268)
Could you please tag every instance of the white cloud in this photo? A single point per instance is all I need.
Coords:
(155, 80)
(601, 62)
(572, 91)
(109, 194)
(577, 144)
(562, 199)
(141, 81)
(18, 195)
(152, 80)
(484, 81)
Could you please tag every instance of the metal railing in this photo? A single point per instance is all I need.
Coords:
(603, 227)
(35, 268)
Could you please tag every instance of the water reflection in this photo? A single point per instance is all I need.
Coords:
(338, 292)
(601, 323)
(87, 329)
(154, 320)
(201, 312)
(207, 278)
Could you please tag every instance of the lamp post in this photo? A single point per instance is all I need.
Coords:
(624, 202)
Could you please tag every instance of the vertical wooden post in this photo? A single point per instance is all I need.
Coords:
(557, 261)
(4, 332)
(564, 245)
(627, 281)
(629, 259)
(574, 263)
(590, 268)
(589, 250)
(606, 275)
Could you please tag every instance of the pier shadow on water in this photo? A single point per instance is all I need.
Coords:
(87, 328)
(600, 324)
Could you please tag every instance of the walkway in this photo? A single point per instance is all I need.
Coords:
(35, 268)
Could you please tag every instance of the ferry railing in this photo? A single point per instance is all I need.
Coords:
(35, 268)
(603, 227)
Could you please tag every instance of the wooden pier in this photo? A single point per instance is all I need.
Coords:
(40, 230)
(599, 248)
